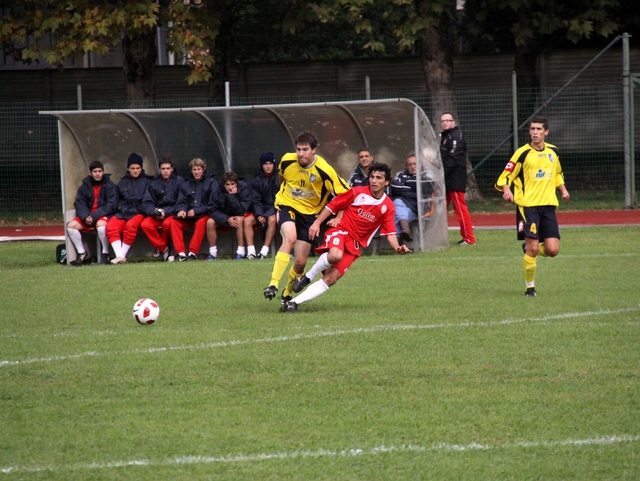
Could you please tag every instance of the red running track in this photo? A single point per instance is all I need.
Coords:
(566, 219)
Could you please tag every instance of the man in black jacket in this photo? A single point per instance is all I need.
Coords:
(453, 150)
(360, 175)
(228, 206)
(264, 187)
(405, 198)
(95, 203)
(159, 205)
(192, 209)
(122, 228)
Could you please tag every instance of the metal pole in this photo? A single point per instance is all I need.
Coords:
(544, 104)
(367, 88)
(514, 102)
(79, 96)
(227, 95)
(626, 91)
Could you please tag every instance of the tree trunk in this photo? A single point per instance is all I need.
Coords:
(437, 65)
(140, 54)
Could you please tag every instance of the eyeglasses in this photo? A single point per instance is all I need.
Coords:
(446, 120)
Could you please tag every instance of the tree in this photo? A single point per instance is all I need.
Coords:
(531, 27)
(81, 26)
(427, 26)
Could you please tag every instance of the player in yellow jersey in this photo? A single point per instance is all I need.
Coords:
(534, 173)
(308, 181)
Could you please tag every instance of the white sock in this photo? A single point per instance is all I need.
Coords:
(321, 264)
(117, 248)
(314, 290)
(213, 251)
(264, 251)
(181, 254)
(76, 239)
(102, 235)
(125, 249)
(241, 250)
(251, 250)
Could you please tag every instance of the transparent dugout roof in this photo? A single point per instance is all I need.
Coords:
(232, 138)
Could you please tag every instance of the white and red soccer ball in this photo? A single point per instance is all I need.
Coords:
(146, 311)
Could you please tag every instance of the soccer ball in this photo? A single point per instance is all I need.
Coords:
(146, 311)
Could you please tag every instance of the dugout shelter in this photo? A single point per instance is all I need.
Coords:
(232, 138)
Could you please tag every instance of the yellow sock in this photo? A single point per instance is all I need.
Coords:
(293, 275)
(541, 251)
(529, 270)
(279, 266)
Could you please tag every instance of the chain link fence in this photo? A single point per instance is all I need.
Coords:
(586, 123)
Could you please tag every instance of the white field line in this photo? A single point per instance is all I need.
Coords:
(320, 334)
(326, 453)
(495, 258)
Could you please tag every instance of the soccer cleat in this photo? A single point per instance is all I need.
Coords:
(211, 258)
(119, 260)
(156, 253)
(270, 292)
(182, 257)
(252, 256)
(192, 256)
(300, 283)
(79, 260)
(239, 257)
(104, 259)
(290, 306)
(283, 304)
(530, 292)
(524, 247)
(260, 256)
(463, 243)
(165, 254)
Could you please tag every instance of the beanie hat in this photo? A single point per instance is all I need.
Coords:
(267, 157)
(96, 164)
(134, 159)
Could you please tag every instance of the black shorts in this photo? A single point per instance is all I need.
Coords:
(537, 222)
(302, 221)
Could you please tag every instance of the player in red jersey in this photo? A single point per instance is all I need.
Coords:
(366, 209)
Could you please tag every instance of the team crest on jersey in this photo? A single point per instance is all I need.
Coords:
(550, 157)
(384, 209)
(312, 177)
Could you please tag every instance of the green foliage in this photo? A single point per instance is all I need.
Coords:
(429, 366)
(499, 24)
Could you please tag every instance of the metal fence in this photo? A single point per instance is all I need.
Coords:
(586, 123)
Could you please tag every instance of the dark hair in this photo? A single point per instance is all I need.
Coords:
(307, 138)
(166, 160)
(448, 113)
(96, 164)
(380, 167)
(229, 177)
(540, 119)
(363, 150)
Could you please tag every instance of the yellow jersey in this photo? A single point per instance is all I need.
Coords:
(533, 175)
(307, 189)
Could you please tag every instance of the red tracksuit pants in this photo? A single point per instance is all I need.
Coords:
(150, 227)
(462, 213)
(178, 226)
(123, 229)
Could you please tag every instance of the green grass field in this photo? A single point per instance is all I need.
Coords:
(428, 366)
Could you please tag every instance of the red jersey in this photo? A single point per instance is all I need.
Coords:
(363, 214)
